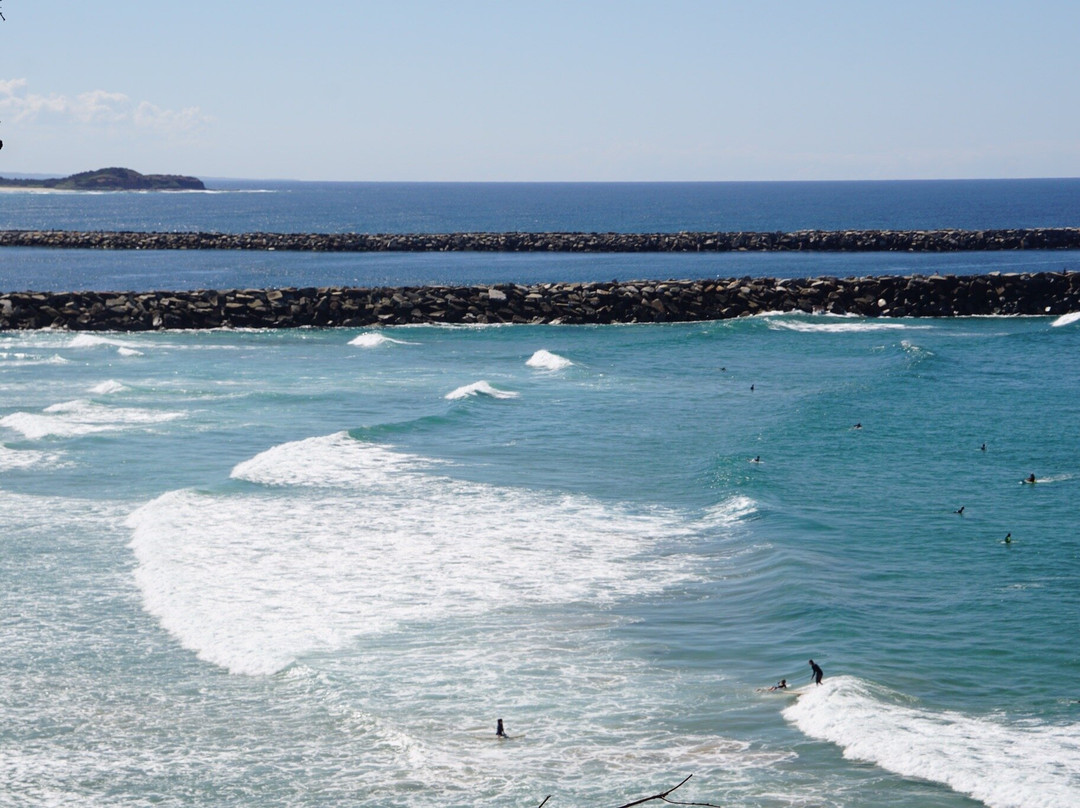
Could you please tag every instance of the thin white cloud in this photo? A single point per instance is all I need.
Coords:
(97, 107)
(151, 116)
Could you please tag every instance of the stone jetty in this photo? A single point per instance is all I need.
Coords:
(569, 303)
(1067, 238)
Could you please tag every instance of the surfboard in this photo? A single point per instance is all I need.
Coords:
(790, 690)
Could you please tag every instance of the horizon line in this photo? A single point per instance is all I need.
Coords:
(223, 178)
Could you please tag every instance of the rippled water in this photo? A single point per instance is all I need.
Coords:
(306, 566)
(314, 567)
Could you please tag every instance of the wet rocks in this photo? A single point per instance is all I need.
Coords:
(803, 240)
(569, 303)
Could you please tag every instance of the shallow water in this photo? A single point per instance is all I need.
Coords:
(299, 566)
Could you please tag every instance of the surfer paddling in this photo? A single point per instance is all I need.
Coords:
(1030, 479)
(781, 685)
(815, 672)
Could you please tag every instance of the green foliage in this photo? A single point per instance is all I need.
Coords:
(112, 179)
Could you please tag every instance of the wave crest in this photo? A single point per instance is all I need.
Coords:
(480, 388)
(81, 417)
(1005, 765)
(370, 540)
(546, 360)
(373, 339)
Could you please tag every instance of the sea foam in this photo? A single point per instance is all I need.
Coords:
(107, 388)
(856, 327)
(26, 459)
(1067, 319)
(481, 388)
(81, 417)
(373, 339)
(327, 460)
(369, 540)
(85, 340)
(546, 360)
(1005, 764)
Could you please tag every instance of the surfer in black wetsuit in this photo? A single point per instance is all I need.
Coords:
(499, 731)
(781, 685)
(961, 511)
(1030, 479)
(815, 672)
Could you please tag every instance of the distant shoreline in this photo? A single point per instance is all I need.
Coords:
(107, 179)
(1062, 238)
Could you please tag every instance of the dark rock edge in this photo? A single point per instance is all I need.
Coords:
(1066, 238)
(1042, 293)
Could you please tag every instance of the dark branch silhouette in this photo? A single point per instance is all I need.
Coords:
(663, 795)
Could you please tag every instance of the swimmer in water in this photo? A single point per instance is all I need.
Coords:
(983, 449)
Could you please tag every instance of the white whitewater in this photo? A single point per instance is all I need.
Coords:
(369, 541)
(480, 388)
(546, 360)
(1012, 764)
(1066, 319)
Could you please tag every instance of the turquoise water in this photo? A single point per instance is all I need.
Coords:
(314, 567)
(302, 567)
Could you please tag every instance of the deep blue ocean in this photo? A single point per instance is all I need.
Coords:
(313, 567)
(232, 206)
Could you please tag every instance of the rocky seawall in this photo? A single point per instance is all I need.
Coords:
(803, 240)
(571, 303)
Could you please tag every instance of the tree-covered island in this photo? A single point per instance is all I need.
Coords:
(110, 179)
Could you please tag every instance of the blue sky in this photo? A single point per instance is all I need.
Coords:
(542, 91)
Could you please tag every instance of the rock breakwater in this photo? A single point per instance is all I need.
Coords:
(570, 303)
(803, 240)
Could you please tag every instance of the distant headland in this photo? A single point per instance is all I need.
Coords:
(111, 179)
